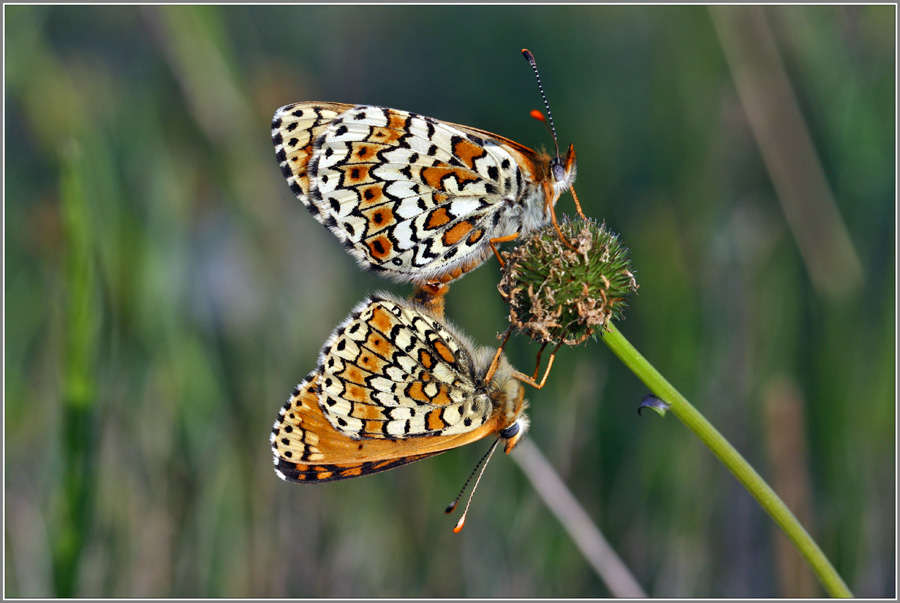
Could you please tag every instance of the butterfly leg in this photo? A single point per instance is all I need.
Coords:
(548, 196)
(501, 240)
(530, 380)
(559, 232)
(537, 365)
(493, 368)
(431, 295)
(577, 204)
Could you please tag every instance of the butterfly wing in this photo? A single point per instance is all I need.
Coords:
(294, 128)
(308, 449)
(408, 195)
(394, 386)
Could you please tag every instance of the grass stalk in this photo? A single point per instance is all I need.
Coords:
(73, 513)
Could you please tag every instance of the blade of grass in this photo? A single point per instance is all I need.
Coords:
(787, 149)
(74, 513)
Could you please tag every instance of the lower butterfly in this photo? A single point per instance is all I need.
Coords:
(415, 198)
(394, 384)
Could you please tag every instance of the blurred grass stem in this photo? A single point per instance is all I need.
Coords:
(74, 508)
(577, 522)
(732, 459)
(787, 149)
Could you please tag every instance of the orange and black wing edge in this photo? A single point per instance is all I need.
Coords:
(320, 473)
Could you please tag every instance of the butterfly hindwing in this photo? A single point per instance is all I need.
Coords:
(307, 448)
(394, 385)
(392, 371)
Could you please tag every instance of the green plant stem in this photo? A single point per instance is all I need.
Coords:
(751, 480)
(74, 509)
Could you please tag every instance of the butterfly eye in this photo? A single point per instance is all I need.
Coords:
(510, 431)
(559, 172)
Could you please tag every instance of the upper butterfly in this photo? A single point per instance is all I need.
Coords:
(417, 199)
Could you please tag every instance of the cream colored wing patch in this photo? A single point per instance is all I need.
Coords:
(390, 371)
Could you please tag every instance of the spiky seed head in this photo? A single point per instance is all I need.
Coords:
(556, 294)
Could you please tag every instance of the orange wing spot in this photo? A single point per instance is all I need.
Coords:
(371, 195)
(475, 236)
(437, 218)
(397, 122)
(444, 352)
(354, 175)
(377, 342)
(352, 374)
(371, 363)
(425, 359)
(434, 420)
(324, 474)
(441, 399)
(440, 197)
(372, 427)
(300, 157)
(385, 135)
(434, 176)
(363, 152)
(353, 472)
(379, 218)
(355, 393)
(380, 248)
(416, 391)
(468, 152)
(455, 234)
(381, 319)
(367, 412)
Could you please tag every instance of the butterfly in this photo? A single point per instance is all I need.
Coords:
(417, 199)
(394, 384)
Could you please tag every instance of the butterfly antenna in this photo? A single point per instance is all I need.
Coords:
(483, 464)
(530, 58)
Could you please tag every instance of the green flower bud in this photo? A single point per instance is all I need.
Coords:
(559, 294)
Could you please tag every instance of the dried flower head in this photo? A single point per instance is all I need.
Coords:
(559, 294)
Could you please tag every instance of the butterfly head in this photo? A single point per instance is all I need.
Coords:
(512, 434)
(508, 397)
(562, 173)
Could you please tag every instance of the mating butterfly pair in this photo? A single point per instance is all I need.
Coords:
(421, 201)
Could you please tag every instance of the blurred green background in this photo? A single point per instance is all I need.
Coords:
(165, 292)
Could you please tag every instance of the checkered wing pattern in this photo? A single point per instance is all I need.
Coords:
(394, 385)
(409, 196)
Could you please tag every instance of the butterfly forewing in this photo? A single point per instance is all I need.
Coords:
(294, 128)
(408, 195)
